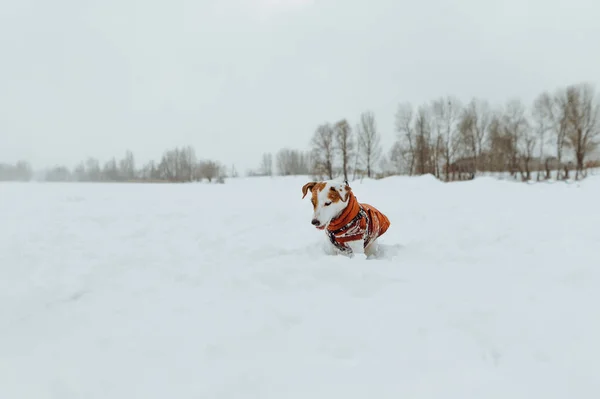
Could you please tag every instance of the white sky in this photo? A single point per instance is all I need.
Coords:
(236, 78)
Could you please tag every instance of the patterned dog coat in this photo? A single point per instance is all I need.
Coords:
(357, 221)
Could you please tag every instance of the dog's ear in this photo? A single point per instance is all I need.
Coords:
(306, 187)
(345, 190)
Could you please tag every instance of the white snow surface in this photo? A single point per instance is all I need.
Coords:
(485, 289)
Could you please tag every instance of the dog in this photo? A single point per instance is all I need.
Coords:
(352, 227)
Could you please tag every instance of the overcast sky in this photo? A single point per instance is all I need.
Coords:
(235, 78)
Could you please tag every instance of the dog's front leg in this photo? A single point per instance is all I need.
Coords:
(357, 248)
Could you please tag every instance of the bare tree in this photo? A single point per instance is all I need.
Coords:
(369, 142)
(178, 165)
(150, 171)
(266, 165)
(127, 166)
(526, 145)
(516, 128)
(169, 166)
(323, 150)
(186, 163)
(110, 172)
(424, 150)
(527, 149)
(583, 116)
(446, 115)
(405, 139)
(560, 125)
(501, 146)
(344, 144)
(473, 129)
(210, 170)
(543, 120)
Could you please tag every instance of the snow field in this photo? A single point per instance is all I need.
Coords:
(485, 289)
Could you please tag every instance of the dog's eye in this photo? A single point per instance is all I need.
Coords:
(328, 203)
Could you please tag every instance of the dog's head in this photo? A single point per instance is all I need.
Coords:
(329, 198)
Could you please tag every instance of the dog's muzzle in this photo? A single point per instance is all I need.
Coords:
(316, 223)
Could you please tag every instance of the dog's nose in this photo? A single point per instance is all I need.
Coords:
(315, 222)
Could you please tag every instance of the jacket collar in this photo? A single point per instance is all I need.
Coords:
(347, 215)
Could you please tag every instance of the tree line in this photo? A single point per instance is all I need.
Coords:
(556, 137)
(175, 165)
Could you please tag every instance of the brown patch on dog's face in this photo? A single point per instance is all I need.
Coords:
(315, 194)
(334, 195)
(339, 193)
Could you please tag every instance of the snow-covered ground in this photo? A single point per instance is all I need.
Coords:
(486, 289)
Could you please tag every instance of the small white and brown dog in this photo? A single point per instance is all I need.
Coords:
(352, 227)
